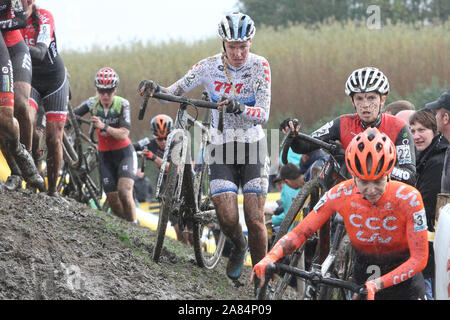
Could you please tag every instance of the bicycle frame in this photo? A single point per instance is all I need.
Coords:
(79, 164)
(184, 186)
(183, 117)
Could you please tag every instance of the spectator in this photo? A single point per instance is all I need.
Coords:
(287, 195)
(431, 146)
(291, 174)
(395, 107)
(442, 107)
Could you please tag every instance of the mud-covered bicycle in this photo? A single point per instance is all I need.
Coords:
(185, 192)
(80, 178)
(315, 253)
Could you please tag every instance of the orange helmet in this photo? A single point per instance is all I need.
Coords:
(161, 125)
(370, 155)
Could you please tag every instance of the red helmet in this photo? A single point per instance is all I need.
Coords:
(106, 78)
(370, 155)
(161, 125)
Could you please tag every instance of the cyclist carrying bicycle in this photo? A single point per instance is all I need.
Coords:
(240, 82)
(50, 86)
(367, 88)
(385, 221)
(110, 115)
(13, 16)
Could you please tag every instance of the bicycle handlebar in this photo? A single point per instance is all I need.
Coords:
(173, 98)
(315, 277)
(287, 140)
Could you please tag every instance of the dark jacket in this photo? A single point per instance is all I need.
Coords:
(429, 171)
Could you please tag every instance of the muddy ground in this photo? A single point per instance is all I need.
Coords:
(61, 250)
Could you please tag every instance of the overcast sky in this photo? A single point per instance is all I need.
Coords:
(81, 23)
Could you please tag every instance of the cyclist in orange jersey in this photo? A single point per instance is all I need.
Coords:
(385, 221)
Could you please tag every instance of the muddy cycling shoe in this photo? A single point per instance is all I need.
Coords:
(26, 165)
(36, 181)
(13, 183)
(236, 262)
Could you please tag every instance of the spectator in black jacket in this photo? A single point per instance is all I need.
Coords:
(431, 147)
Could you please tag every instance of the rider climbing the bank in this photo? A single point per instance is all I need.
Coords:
(13, 16)
(240, 82)
(161, 125)
(367, 89)
(385, 221)
(50, 86)
(110, 115)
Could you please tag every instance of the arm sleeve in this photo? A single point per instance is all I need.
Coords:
(191, 80)
(19, 16)
(416, 232)
(259, 113)
(125, 118)
(82, 109)
(405, 167)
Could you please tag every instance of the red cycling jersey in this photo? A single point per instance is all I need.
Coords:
(384, 230)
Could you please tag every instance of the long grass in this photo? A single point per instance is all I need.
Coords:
(309, 65)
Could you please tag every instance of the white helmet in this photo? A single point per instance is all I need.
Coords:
(366, 80)
(236, 27)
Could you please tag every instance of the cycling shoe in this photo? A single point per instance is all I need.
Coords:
(13, 183)
(236, 262)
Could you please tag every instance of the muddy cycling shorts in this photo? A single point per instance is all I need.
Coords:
(54, 104)
(235, 164)
(21, 61)
(121, 163)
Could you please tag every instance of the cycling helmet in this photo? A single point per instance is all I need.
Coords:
(106, 78)
(366, 80)
(370, 155)
(236, 27)
(161, 125)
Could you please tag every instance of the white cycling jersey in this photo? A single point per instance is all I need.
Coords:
(252, 87)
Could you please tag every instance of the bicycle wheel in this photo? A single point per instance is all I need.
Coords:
(167, 201)
(285, 287)
(209, 240)
(303, 203)
(343, 269)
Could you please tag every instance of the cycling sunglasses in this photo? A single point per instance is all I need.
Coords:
(105, 91)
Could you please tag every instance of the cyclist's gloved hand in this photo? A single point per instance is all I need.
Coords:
(149, 155)
(371, 290)
(339, 151)
(284, 126)
(148, 85)
(233, 106)
(259, 270)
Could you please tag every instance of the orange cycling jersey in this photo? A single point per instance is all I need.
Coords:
(393, 226)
